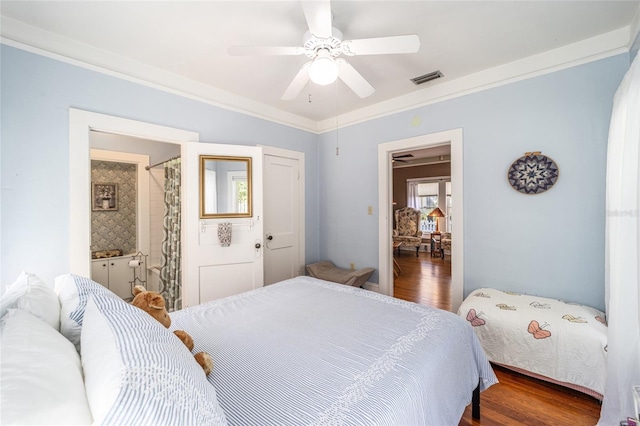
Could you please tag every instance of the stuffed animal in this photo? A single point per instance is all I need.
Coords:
(153, 303)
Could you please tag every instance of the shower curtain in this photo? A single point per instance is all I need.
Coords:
(622, 251)
(170, 284)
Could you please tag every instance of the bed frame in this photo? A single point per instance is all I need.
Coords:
(475, 402)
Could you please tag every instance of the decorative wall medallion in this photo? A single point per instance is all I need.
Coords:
(533, 173)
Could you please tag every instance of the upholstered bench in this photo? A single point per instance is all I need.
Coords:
(327, 271)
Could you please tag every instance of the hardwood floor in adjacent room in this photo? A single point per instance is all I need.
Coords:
(424, 279)
(517, 399)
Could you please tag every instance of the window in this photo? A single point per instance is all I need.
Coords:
(238, 192)
(428, 193)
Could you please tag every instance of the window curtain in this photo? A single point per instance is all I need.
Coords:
(412, 195)
(170, 273)
(622, 294)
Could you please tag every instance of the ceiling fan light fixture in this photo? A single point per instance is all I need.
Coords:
(324, 69)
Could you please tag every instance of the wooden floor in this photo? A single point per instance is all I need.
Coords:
(424, 279)
(517, 399)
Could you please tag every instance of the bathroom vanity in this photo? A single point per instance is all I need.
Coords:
(115, 274)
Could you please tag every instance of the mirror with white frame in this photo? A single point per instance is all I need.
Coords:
(225, 187)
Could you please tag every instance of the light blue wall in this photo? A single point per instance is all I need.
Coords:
(550, 244)
(36, 94)
(635, 46)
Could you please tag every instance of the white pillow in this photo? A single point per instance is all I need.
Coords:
(30, 293)
(138, 372)
(73, 292)
(41, 374)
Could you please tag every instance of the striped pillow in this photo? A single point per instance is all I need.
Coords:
(73, 292)
(138, 372)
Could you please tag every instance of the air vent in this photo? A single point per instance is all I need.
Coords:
(427, 77)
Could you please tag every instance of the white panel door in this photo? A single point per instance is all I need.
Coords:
(282, 219)
(211, 271)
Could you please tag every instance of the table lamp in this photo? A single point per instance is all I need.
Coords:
(437, 213)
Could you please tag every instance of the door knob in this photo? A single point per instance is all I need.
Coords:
(269, 237)
(258, 245)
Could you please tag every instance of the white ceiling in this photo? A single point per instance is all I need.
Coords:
(183, 46)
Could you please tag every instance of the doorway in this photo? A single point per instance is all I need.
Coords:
(81, 124)
(136, 228)
(422, 182)
(385, 190)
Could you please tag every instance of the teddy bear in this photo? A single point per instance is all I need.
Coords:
(153, 303)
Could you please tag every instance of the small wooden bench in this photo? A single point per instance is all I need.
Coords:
(327, 271)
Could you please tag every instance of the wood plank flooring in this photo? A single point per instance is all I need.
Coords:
(517, 399)
(424, 279)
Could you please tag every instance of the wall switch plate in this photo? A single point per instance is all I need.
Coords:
(370, 210)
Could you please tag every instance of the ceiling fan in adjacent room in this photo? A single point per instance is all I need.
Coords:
(323, 44)
(400, 158)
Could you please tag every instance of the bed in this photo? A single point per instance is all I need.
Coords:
(303, 351)
(553, 340)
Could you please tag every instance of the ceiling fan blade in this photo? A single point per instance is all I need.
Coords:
(382, 45)
(298, 83)
(354, 79)
(264, 50)
(318, 16)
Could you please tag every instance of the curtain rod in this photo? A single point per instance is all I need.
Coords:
(162, 162)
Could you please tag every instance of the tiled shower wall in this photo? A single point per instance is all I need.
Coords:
(115, 229)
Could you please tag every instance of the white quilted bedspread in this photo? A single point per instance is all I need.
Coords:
(560, 340)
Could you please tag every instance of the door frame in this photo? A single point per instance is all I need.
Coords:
(299, 156)
(453, 137)
(81, 123)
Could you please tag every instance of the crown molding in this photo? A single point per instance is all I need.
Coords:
(588, 50)
(35, 40)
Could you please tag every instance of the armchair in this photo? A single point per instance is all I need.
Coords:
(445, 244)
(408, 228)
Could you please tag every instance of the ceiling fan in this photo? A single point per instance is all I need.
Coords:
(323, 44)
(399, 158)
